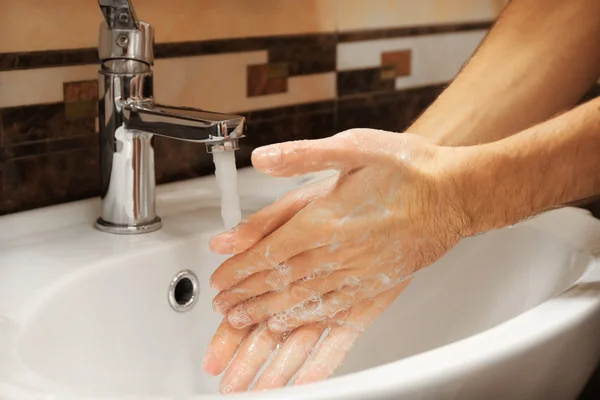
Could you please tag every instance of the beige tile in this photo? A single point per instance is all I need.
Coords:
(29, 25)
(37, 86)
(219, 83)
(372, 14)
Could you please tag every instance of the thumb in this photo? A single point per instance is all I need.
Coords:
(306, 156)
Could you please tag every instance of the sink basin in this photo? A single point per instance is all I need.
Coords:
(513, 313)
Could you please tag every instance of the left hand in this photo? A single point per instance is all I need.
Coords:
(394, 209)
(244, 351)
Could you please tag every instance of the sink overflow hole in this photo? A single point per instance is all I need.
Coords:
(183, 291)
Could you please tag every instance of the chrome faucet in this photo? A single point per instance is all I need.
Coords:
(129, 118)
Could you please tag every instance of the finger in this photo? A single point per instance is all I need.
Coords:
(328, 356)
(286, 242)
(340, 339)
(255, 285)
(315, 263)
(327, 307)
(292, 300)
(267, 220)
(305, 156)
(223, 346)
(364, 313)
(255, 351)
(290, 357)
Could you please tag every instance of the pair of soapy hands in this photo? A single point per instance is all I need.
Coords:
(330, 256)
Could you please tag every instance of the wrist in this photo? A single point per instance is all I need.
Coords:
(477, 177)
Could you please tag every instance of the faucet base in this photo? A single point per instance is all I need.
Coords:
(109, 227)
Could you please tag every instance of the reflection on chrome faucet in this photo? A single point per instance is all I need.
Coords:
(129, 118)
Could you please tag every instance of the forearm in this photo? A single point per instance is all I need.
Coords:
(543, 167)
(538, 59)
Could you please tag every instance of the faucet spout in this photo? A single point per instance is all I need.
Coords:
(184, 123)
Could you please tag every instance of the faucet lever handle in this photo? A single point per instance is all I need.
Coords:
(119, 14)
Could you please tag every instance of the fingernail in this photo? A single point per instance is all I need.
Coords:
(276, 326)
(267, 157)
(225, 236)
(227, 388)
(224, 241)
(208, 363)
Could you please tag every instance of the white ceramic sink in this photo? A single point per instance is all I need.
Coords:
(513, 313)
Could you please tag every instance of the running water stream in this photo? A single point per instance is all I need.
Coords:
(226, 175)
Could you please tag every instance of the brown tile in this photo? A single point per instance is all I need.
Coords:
(49, 146)
(400, 62)
(176, 160)
(80, 91)
(52, 58)
(290, 127)
(384, 33)
(41, 122)
(49, 179)
(81, 100)
(393, 111)
(279, 112)
(362, 81)
(306, 54)
(266, 79)
(207, 47)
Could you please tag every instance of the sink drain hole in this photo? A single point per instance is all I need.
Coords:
(183, 291)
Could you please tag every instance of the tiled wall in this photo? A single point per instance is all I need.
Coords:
(296, 69)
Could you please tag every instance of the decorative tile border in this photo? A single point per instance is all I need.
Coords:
(51, 58)
(308, 53)
(408, 31)
(434, 59)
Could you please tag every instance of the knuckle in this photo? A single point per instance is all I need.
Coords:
(350, 134)
(300, 292)
(279, 277)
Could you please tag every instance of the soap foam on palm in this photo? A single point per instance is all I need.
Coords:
(226, 175)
